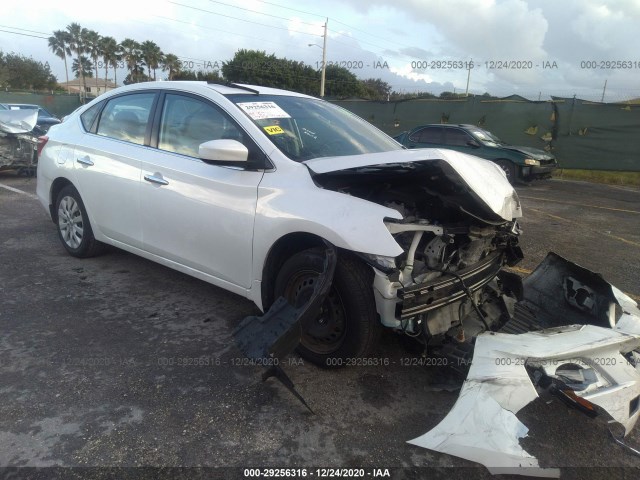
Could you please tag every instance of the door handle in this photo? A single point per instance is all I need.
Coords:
(155, 179)
(85, 161)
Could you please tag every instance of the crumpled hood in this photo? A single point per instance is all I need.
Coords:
(18, 121)
(483, 177)
(534, 153)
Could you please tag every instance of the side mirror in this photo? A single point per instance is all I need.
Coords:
(473, 144)
(223, 151)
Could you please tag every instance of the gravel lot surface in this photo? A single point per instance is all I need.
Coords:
(118, 362)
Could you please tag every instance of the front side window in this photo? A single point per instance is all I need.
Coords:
(187, 122)
(126, 117)
(304, 128)
(457, 138)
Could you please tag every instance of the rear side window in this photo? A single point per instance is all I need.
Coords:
(427, 135)
(126, 117)
(89, 116)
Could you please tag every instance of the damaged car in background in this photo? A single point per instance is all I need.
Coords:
(335, 231)
(19, 140)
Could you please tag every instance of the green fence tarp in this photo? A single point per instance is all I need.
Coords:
(581, 134)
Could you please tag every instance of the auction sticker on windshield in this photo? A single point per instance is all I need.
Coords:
(274, 130)
(262, 110)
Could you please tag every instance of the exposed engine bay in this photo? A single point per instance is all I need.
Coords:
(445, 286)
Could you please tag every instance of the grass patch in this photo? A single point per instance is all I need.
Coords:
(599, 176)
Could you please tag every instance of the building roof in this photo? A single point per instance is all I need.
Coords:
(90, 82)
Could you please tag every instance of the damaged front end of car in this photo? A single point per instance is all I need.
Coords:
(18, 140)
(561, 331)
(458, 229)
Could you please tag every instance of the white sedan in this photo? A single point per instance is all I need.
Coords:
(253, 189)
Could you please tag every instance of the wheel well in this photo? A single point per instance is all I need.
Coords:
(57, 185)
(282, 250)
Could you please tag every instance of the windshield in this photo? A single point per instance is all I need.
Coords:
(486, 137)
(306, 128)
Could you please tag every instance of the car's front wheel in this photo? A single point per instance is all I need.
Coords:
(347, 326)
(74, 229)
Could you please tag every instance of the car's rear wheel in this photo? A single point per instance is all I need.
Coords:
(74, 228)
(347, 325)
(509, 169)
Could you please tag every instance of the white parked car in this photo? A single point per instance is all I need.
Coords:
(240, 186)
(254, 189)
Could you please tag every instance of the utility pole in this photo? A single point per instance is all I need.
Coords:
(466, 93)
(324, 59)
(604, 89)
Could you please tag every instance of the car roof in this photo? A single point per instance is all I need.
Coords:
(27, 105)
(449, 125)
(228, 89)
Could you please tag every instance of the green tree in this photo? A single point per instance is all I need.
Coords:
(170, 63)
(82, 67)
(93, 47)
(76, 45)
(256, 67)
(341, 83)
(20, 72)
(376, 89)
(151, 56)
(110, 56)
(201, 75)
(59, 45)
(132, 57)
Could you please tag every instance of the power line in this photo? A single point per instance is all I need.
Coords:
(216, 29)
(243, 20)
(24, 34)
(341, 23)
(259, 13)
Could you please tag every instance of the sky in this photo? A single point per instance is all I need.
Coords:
(534, 48)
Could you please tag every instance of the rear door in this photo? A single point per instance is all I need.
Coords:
(107, 165)
(426, 137)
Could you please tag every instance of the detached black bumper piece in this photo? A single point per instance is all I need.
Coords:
(271, 337)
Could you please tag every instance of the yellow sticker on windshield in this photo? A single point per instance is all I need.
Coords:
(274, 130)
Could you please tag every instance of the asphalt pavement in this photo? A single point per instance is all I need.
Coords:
(119, 362)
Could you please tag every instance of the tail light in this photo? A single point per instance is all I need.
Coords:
(42, 141)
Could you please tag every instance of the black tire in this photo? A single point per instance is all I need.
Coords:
(348, 325)
(509, 169)
(74, 229)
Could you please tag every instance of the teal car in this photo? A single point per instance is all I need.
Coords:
(519, 163)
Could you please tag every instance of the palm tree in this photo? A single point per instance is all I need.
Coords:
(82, 67)
(152, 56)
(92, 43)
(110, 56)
(172, 63)
(131, 55)
(76, 45)
(59, 45)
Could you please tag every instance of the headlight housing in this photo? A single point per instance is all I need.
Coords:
(531, 161)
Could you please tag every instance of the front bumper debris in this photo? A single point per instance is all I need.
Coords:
(581, 337)
(271, 337)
